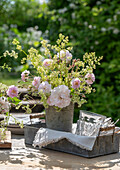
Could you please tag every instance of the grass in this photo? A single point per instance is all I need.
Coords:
(9, 81)
(9, 78)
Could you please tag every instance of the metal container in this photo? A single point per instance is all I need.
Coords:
(31, 130)
(104, 145)
(62, 120)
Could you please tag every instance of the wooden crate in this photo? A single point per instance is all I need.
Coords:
(104, 144)
(6, 143)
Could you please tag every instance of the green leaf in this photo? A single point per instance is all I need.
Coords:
(14, 100)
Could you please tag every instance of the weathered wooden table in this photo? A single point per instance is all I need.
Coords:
(22, 157)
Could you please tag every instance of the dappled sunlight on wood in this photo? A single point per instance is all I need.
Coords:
(29, 157)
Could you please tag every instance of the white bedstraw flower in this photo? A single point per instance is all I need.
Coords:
(65, 55)
(45, 87)
(103, 29)
(60, 97)
(63, 10)
(109, 20)
(116, 31)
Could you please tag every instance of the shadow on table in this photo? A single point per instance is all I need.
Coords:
(50, 159)
(63, 160)
(5, 158)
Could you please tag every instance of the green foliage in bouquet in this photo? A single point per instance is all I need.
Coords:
(61, 79)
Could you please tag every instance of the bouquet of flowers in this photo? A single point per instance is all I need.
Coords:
(61, 79)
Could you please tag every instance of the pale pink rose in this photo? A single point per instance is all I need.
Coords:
(12, 91)
(60, 96)
(36, 82)
(45, 87)
(49, 101)
(63, 102)
(47, 62)
(25, 75)
(75, 83)
(64, 55)
(4, 106)
(90, 78)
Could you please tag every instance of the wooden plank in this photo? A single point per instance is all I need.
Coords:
(6, 142)
(5, 145)
(37, 115)
(37, 109)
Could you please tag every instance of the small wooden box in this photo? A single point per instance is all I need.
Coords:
(6, 142)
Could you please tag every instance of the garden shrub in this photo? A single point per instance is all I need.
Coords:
(92, 25)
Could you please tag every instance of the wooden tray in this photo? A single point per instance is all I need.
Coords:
(104, 144)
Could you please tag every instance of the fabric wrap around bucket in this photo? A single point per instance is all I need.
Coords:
(62, 120)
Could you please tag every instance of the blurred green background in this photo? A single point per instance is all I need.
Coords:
(92, 25)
